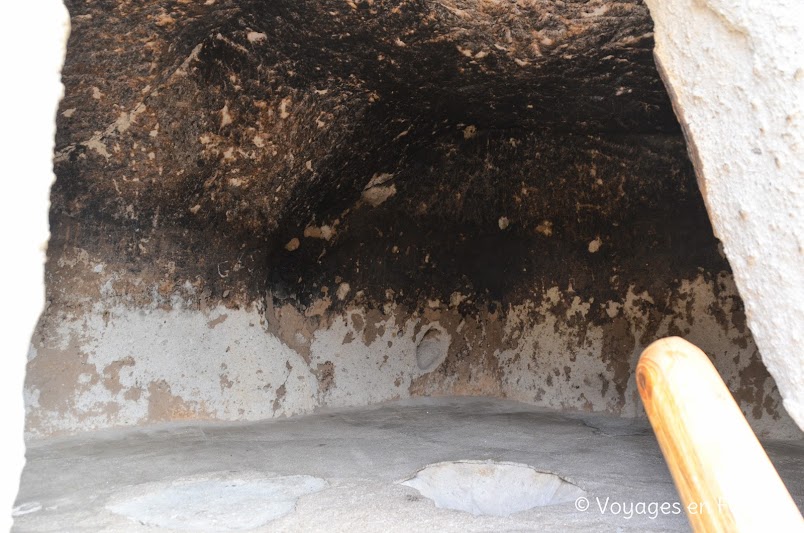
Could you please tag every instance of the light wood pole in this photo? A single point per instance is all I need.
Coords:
(722, 473)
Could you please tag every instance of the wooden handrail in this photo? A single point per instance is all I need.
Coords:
(725, 479)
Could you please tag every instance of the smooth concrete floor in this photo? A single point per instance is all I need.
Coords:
(71, 484)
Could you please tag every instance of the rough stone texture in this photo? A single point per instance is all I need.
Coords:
(737, 75)
(364, 454)
(266, 207)
(26, 138)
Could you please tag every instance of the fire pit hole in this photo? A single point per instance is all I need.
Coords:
(491, 488)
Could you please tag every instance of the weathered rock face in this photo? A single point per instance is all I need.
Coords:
(264, 207)
(750, 169)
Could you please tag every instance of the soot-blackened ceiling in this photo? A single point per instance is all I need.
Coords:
(492, 147)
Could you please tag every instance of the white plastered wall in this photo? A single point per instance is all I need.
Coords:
(735, 71)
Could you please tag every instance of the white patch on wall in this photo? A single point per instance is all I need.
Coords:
(366, 374)
(553, 364)
(192, 353)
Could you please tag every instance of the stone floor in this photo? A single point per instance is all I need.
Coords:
(341, 471)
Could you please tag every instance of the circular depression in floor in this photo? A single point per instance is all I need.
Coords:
(216, 504)
(491, 488)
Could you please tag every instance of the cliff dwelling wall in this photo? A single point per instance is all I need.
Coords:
(264, 208)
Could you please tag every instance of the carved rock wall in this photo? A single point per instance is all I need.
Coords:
(266, 207)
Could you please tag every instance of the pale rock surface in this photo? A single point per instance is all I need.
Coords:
(736, 75)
